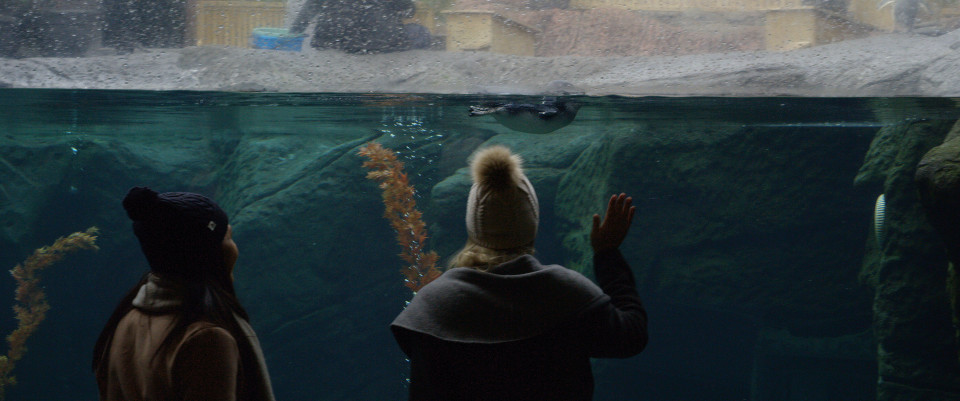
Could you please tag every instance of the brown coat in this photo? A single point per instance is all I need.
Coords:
(201, 366)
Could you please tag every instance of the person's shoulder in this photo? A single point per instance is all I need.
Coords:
(572, 279)
(554, 271)
(205, 333)
(205, 348)
(563, 271)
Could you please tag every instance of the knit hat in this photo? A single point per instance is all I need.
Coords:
(180, 233)
(502, 210)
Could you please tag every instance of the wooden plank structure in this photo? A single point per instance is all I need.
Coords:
(789, 24)
(791, 29)
(687, 5)
(231, 23)
(867, 12)
(469, 30)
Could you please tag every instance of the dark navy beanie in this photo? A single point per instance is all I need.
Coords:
(180, 233)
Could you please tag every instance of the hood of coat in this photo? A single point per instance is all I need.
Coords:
(516, 300)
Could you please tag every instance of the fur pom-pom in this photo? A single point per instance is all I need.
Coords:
(141, 203)
(495, 167)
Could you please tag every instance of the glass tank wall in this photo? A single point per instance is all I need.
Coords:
(754, 246)
(756, 136)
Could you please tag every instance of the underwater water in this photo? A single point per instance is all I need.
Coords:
(752, 244)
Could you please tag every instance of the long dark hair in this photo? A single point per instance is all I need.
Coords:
(210, 300)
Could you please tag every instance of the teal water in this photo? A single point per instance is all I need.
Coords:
(748, 245)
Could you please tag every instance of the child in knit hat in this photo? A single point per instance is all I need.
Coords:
(499, 325)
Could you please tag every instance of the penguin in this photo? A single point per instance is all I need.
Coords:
(546, 117)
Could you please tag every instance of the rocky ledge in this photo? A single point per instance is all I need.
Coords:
(899, 64)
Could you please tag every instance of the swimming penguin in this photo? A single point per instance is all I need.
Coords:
(548, 116)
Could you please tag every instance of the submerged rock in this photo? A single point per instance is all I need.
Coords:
(938, 181)
(909, 272)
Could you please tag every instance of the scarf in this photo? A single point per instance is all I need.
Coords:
(160, 295)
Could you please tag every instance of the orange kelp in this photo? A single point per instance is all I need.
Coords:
(401, 211)
(32, 306)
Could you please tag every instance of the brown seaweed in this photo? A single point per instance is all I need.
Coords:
(401, 211)
(31, 307)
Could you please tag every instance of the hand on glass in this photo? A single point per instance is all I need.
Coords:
(609, 233)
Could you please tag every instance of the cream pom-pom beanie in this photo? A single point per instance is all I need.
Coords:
(502, 210)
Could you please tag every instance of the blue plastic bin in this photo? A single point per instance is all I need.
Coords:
(277, 39)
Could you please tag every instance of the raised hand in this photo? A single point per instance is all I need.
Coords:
(609, 233)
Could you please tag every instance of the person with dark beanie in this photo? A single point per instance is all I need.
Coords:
(180, 333)
(499, 325)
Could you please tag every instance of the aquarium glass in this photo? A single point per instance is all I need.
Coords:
(755, 243)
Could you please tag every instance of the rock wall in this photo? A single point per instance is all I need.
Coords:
(938, 184)
(916, 347)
